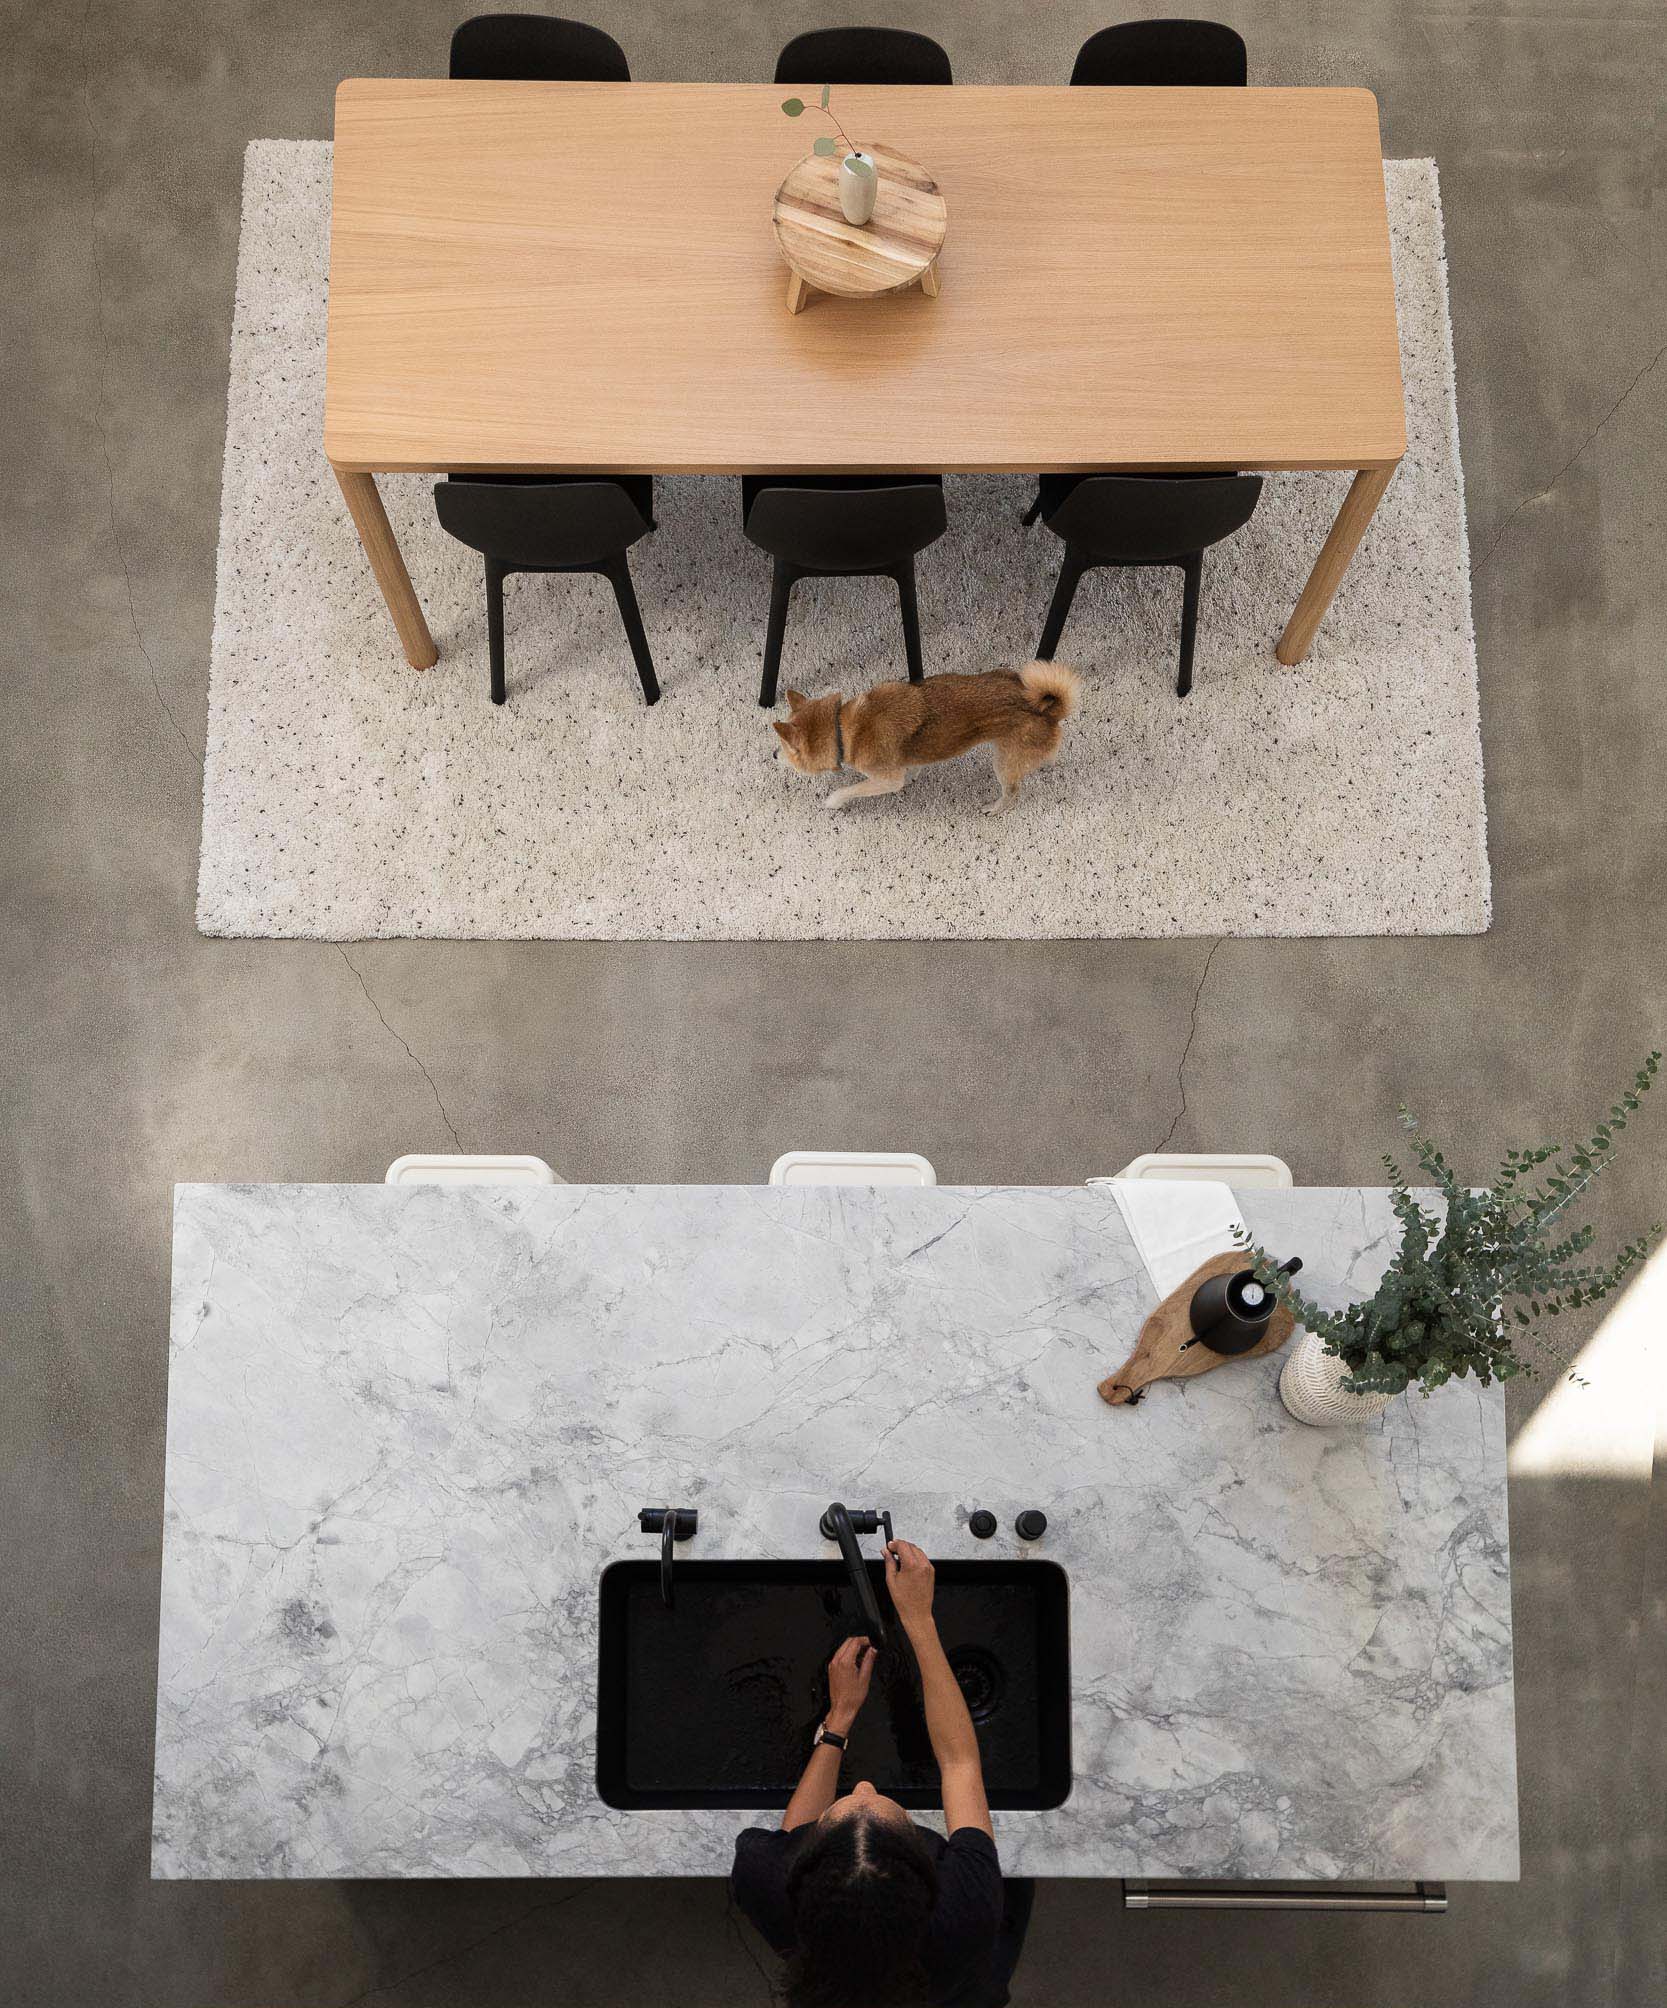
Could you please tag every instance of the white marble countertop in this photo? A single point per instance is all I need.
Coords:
(409, 1426)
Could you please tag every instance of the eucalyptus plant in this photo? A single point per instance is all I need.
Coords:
(1464, 1283)
(824, 142)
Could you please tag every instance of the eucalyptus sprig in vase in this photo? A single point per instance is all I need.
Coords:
(859, 177)
(1465, 1283)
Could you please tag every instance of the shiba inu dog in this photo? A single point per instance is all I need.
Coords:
(896, 726)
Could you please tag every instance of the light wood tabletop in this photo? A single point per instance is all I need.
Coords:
(562, 277)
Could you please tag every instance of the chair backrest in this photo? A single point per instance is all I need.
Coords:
(536, 48)
(1142, 519)
(1163, 52)
(829, 527)
(428, 1168)
(852, 1167)
(862, 56)
(1244, 1169)
(540, 524)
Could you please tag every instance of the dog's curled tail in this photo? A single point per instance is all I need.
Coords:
(1051, 688)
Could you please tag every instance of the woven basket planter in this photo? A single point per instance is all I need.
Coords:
(1311, 1387)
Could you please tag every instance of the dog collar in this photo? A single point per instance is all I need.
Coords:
(839, 739)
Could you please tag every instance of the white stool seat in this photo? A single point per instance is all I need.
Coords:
(1243, 1168)
(427, 1168)
(852, 1167)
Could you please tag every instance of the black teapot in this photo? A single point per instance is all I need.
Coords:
(1230, 1313)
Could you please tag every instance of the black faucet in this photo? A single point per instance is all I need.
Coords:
(671, 1523)
(840, 1524)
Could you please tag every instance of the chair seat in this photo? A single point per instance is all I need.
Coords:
(843, 522)
(546, 522)
(1147, 519)
(1052, 489)
(639, 487)
(852, 1167)
(1244, 1169)
(447, 1168)
(1163, 53)
(862, 56)
(754, 485)
(536, 48)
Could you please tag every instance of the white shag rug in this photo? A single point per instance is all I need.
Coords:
(348, 796)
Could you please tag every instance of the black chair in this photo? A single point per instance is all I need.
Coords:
(533, 523)
(536, 48)
(1140, 519)
(862, 56)
(841, 526)
(1162, 52)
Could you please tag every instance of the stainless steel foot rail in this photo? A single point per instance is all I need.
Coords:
(1424, 1899)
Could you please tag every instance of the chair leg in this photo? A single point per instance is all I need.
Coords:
(782, 581)
(495, 626)
(1035, 509)
(911, 620)
(1065, 590)
(1193, 571)
(618, 572)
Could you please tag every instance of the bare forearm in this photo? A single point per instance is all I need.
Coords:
(849, 1672)
(954, 1740)
(817, 1789)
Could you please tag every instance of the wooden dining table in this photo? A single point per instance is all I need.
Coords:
(571, 277)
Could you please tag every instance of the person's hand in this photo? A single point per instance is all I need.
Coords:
(849, 1672)
(909, 1577)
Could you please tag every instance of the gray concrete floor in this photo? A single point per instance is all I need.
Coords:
(139, 1053)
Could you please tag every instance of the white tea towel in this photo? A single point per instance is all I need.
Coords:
(1176, 1224)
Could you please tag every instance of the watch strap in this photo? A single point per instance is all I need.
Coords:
(826, 1735)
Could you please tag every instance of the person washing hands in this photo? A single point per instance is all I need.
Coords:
(869, 1910)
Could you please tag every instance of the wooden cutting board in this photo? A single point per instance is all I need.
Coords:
(1163, 1352)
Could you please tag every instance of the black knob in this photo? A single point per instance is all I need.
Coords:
(982, 1524)
(1031, 1524)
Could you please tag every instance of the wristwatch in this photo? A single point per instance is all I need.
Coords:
(826, 1735)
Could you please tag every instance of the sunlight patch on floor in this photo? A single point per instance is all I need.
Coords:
(1599, 1420)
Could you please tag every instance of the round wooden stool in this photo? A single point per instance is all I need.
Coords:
(898, 246)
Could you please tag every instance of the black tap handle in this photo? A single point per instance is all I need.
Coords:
(671, 1523)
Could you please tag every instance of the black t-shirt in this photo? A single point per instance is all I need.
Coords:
(959, 1949)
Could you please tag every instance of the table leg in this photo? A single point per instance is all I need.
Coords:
(798, 294)
(929, 280)
(1363, 497)
(370, 519)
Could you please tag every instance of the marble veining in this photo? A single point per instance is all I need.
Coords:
(408, 1427)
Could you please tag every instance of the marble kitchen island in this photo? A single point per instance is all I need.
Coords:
(409, 1426)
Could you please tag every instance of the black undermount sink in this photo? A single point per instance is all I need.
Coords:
(714, 1702)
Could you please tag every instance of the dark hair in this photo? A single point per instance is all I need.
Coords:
(861, 1890)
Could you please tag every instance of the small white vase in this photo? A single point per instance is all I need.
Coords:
(1311, 1387)
(859, 184)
